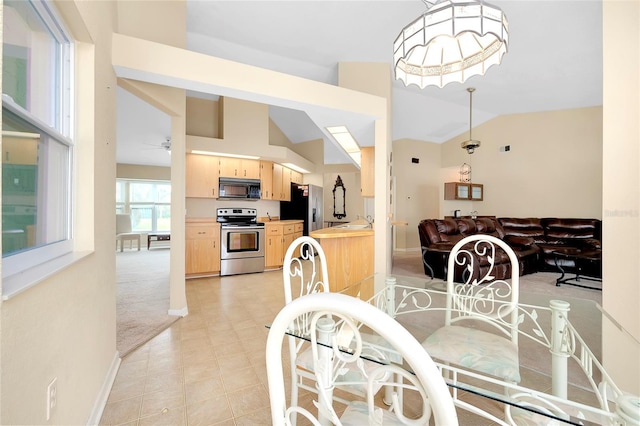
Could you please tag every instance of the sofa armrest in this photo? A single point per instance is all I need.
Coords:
(592, 243)
(516, 241)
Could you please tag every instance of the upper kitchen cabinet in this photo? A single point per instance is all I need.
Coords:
(266, 180)
(367, 166)
(296, 177)
(239, 167)
(281, 182)
(202, 173)
(277, 182)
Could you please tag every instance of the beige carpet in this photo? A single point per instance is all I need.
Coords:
(541, 283)
(142, 297)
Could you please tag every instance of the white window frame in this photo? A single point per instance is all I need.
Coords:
(127, 204)
(24, 269)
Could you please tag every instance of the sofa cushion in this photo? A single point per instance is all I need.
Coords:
(558, 231)
(467, 227)
(516, 242)
(448, 230)
(485, 225)
(523, 227)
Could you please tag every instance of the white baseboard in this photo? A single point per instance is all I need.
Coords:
(105, 390)
(410, 249)
(179, 312)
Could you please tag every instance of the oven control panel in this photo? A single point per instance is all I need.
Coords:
(236, 215)
(237, 212)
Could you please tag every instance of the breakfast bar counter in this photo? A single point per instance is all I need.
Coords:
(349, 251)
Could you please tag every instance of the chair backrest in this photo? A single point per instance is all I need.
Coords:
(486, 299)
(123, 223)
(304, 269)
(335, 308)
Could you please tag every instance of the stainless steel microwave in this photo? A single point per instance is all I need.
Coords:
(239, 189)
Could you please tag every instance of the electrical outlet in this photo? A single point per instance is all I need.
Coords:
(52, 397)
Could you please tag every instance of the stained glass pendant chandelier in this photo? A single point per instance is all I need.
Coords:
(452, 41)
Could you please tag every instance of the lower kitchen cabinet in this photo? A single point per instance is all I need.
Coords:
(297, 232)
(273, 248)
(202, 248)
(279, 237)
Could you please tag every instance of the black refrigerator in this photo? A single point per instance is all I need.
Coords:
(305, 204)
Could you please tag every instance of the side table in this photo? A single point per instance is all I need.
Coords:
(157, 237)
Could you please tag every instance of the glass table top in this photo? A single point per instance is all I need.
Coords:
(558, 345)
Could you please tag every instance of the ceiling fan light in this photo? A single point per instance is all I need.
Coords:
(470, 145)
(452, 41)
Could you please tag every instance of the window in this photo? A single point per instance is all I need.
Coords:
(37, 144)
(149, 203)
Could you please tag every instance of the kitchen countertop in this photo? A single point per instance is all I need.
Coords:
(213, 220)
(200, 220)
(348, 230)
(283, 222)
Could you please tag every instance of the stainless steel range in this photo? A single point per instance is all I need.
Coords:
(241, 241)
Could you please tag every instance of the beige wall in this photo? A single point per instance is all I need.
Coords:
(375, 78)
(64, 327)
(554, 167)
(418, 185)
(131, 171)
(158, 20)
(203, 117)
(621, 195)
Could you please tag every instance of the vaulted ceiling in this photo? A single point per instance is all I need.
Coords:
(554, 62)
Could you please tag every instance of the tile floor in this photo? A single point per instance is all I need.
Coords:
(208, 368)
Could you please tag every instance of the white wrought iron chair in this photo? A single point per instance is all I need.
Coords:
(331, 315)
(304, 272)
(481, 316)
(124, 232)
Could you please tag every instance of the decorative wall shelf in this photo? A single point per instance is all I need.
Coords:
(463, 191)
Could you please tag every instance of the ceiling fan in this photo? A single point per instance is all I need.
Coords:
(166, 145)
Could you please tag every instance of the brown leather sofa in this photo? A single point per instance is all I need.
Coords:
(540, 244)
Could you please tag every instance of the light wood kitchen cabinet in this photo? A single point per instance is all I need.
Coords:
(367, 167)
(273, 248)
(280, 235)
(296, 177)
(298, 229)
(266, 180)
(277, 182)
(281, 182)
(202, 248)
(286, 184)
(239, 167)
(202, 173)
(288, 236)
